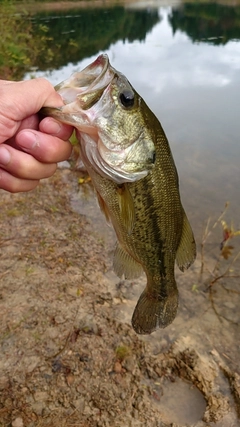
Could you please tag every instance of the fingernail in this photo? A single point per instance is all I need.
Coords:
(53, 127)
(4, 156)
(27, 140)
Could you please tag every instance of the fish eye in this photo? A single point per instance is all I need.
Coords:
(127, 98)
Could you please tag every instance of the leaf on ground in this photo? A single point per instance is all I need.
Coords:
(226, 251)
(228, 233)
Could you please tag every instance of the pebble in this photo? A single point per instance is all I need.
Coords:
(129, 364)
(230, 305)
(32, 363)
(117, 367)
(70, 379)
(79, 404)
(41, 396)
(18, 422)
(38, 407)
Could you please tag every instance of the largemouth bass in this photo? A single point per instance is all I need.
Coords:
(128, 158)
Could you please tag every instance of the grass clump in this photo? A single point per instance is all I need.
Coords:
(122, 351)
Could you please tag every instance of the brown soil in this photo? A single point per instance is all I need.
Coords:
(69, 356)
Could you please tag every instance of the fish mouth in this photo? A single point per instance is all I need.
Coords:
(88, 85)
(88, 98)
(80, 92)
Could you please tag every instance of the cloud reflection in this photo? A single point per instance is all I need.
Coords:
(164, 59)
(194, 89)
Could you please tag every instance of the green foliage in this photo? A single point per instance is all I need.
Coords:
(45, 1)
(14, 39)
(85, 32)
(207, 22)
(19, 49)
(49, 40)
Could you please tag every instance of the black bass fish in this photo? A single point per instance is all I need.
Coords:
(128, 158)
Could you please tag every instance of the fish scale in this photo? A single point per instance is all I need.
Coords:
(128, 158)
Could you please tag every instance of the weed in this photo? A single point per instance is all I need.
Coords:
(122, 351)
(224, 259)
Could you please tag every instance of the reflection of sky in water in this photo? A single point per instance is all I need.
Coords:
(194, 89)
(171, 60)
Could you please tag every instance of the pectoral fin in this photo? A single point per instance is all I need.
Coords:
(126, 206)
(124, 264)
(186, 252)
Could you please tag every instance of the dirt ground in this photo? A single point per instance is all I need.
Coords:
(69, 356)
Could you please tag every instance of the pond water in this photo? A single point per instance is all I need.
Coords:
(185, 62)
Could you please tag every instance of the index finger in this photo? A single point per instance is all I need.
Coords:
(22, 99)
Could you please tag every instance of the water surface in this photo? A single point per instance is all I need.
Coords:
(185, 62)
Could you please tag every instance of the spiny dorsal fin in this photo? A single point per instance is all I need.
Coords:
(124, 264)
(186, 252)
(126, 207)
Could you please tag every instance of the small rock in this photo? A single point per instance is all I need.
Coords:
(38, 407)
(32, 363)
(60, 319)
(129, 364)
(4, 381)
(117, 367)
(18, 422)
(52, 332)
(70, 379)
(41, 396)
(230, 305)
(79, 404)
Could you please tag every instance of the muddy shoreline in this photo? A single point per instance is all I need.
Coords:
(69, 356)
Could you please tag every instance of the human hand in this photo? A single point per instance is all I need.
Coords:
(29, 148)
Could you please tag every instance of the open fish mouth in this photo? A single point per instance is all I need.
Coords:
(104, 108)
(87, 85)
(81, 93)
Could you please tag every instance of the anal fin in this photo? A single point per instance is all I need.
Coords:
(186, 252)
(125, 264)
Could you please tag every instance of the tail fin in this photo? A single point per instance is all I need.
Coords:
(152, 312)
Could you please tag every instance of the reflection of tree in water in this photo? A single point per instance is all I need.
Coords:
(77, 34)
(213, 23)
